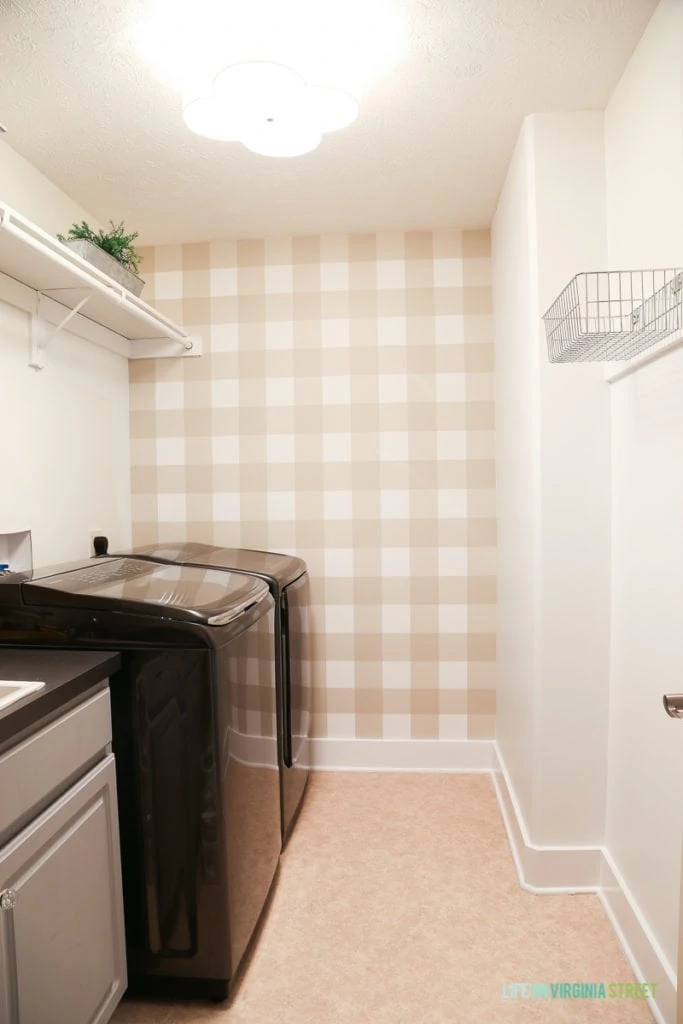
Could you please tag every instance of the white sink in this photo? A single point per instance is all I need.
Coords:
(15, 689)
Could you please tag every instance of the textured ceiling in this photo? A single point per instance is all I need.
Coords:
(430, 148)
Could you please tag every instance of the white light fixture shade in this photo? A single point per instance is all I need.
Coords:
(282, 137)
(260, 90)
(205, 115)
(268, 107)
(331, 109)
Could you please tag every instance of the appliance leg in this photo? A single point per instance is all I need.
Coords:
(218, 991)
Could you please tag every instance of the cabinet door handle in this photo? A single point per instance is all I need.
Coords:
(673, 704)
(8, 899)
(9, 992)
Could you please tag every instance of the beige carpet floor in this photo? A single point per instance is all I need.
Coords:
(398, 903)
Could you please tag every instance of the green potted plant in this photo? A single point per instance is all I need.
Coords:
(112, 252)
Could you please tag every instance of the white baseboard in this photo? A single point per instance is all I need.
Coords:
(354, 755)
(573, 869)
(542, 868)
(640, 946)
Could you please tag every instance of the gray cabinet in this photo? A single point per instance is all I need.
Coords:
(62, 949)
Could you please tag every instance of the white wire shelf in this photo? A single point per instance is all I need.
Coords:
(48, 280)
(613, 316)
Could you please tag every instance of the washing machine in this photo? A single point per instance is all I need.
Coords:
(288, 580)
(194, 712)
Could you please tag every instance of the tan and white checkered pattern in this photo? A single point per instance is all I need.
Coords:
(343, 411)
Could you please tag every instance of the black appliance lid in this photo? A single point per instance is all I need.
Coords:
(207, 596)
(271, 565)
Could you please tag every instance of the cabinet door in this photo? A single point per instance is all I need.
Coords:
(62, 948)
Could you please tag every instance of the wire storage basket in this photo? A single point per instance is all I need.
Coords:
(613, 315)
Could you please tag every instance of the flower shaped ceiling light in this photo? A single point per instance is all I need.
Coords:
(269, 108)
(273, 74)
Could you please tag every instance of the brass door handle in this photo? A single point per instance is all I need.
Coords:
(673, 704)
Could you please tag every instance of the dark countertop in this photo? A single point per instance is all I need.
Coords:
(68, 675)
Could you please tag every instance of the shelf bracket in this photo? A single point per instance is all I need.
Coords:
(42, 333)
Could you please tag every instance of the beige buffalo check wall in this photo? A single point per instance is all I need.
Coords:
(342, 411)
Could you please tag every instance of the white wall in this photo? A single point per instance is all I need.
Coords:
(31, 194)
(64, 436)
(644, 160)
(553, 496)
(573, 610)
(517, 469)
(591, 503)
